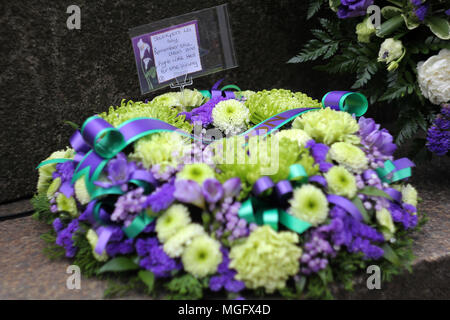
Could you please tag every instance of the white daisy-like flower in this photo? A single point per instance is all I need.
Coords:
(176, 244)
(230, 116)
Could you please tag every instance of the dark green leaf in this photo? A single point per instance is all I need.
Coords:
(374, 192)
(148, 278)
(119, 264)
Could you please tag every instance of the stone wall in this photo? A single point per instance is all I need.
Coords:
(50, 74)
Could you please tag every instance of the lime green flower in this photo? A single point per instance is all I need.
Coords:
(92, 238)
(391, 52)
(265, 104)
(384, 219)
(202, 256)
(297, 135)
(198, 172)
(171, 221)
(266, 259)
(230, 116)
(409, 195)
(67, 205)
(81, 191)
(364, 30)
(130, 110)
(163, 149)
(309, 204)
(176, 244)
(328, 126)
(244, 94)
(185, 100)
(169, 99)
(45, 172)
(341, 182)
(349, 156)
(54, 186)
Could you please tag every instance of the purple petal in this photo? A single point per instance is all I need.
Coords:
(232, 187)
(212, 190)
(189, 191)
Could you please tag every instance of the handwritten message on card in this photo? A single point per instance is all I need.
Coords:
(176, 51)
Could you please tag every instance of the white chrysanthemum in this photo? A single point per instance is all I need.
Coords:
(433, 76)
(176, 244)
(298, 135)
(341, 182)
(81, 191)
(384, 219)
(184, 99)
(171, 221)
(230, 116)
(202, 256)
(409, 195)
(92, 238)
(309, 204)
(349, 156)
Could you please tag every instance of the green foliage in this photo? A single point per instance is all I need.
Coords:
(185, 287)
(41, 207)
(119, 264)
(84, 257)
(52, 250)
(121, 287)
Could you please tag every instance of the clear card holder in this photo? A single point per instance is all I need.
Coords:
(176, 50)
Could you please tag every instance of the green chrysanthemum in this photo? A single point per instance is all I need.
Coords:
(163, 149)
(230, 116)
(45, 172)
(244, 94)
(81, 191)
(130, 110)
(176, 244)
(186, 99)
(349, 156)
(198, 172)
(202, 256)
(92, 238)
(298, 135)
(54, 186)
(328, 126)
(67, 205)
(267, 103)
(341, 182)
(309, 204)
(409, 195)
(171, 221)
(266, 259)
(384, 219)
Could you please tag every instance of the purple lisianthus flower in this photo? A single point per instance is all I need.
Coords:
(232, 187)
(353, 8)
(420, 9)
(212, 190)
(189, 191)
(118, 171)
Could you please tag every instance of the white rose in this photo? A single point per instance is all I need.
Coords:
(433, 76)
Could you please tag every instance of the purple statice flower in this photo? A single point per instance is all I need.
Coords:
(189, 191)
(353, 8)
(369, 178)
(65, 172)
(231, 225)
(153, 258)
(316, 253)
(438, 136)
(344, 230)
(319, 152)
(212, 190)
(64, 236)
(118, 172)
(129, 205)
(163, 174)
(405, 214)
(203, 114)
(161, 198)
(225, 278)
(420, 9)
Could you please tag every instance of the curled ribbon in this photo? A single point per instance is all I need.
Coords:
(254, 210)
(216, 92)
(351, 102)
(395, 170)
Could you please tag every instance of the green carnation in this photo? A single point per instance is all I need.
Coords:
(171, 221)
(298, 135)
(267, 103)
(349, 156)
(364, 30)
(230, 116)
(163, 149)
(81, 191)
(341, 182)
(92, 238)
(384, 219)
(202, 256)
(328, 126)
(198, 172)
(67, 205)
(185, 100)
(309, 204)
(266, 259)
(409, 195)
(45, 172)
